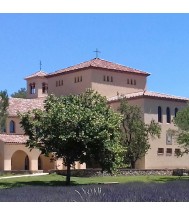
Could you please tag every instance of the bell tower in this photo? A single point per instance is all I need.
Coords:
(37, 85)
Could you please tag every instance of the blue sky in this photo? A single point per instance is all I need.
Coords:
(155, 43)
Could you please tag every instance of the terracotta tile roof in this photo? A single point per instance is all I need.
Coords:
(150, 95)
(13, 138)
(99, 63)
(23, 105)
(37, 74)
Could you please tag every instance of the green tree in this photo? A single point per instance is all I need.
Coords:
(181, 121)
(76, 128)
(135, 133)
(4, 103)
(20, 94)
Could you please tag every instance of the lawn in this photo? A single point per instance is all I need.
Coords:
(58, 180)
(51, 188)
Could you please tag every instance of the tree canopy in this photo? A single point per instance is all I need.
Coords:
(182, 133)
(76, 128)
(135, 133)
(20, 94)
(4, 103)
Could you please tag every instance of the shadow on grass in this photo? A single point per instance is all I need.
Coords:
(35, 183)
(8, 184)
(169, 179)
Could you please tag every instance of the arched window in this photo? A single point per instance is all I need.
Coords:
(168, 115)
(159, 114)
(44, 88)
(32, 88)
(12, 126)
(176, 110)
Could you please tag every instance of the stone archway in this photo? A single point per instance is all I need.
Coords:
(45, 163)
(20, 161)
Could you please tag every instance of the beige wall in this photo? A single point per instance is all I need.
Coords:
(69, 86)
(10, 149)
(46, 163)
(18, 129)
(152, 159)
(150, 109)
(119, 84)
(1, 155)
(94, 78)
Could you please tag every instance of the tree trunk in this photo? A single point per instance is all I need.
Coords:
(133, 164)
(68, 175)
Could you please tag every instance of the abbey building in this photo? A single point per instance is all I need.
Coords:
(110, 80)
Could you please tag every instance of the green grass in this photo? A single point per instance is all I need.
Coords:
(58, 180)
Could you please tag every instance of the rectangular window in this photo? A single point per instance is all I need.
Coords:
(62, 82)
(127, 81)
(160, 150)
(80, 78)
(56, 83)
(169, 151)
(111, 79)
(108, 78)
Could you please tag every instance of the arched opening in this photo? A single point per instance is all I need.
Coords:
(20, 161)
(27, 163)
(168, 115)
(176, 110)
(45, 163)
(12, 126)
(32, 88)
(159, 114)
(39, 163)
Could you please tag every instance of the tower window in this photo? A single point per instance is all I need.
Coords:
(32, 88)
(78, 79)
(44, 88)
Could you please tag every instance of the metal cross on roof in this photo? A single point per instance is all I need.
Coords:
(40, 64)
(97, 51)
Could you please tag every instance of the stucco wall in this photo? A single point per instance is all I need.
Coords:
(119, 84)
(152, 158)
(69, 86)
(1, 155)
(10, 149)
(18, 129)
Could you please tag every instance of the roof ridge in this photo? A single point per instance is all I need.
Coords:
(166, 94)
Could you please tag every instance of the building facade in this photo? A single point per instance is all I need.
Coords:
(110, 80)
